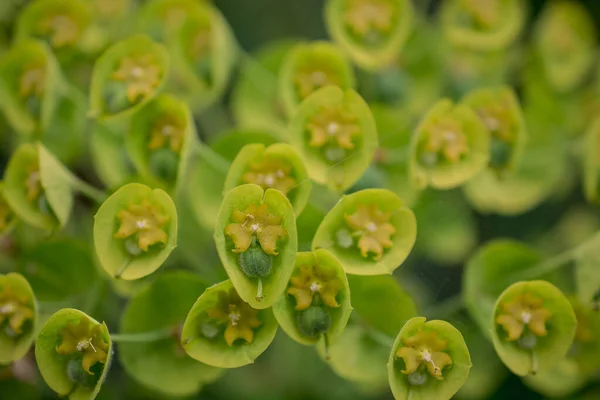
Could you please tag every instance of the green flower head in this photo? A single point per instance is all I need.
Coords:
(144, 223)
(86, 340)
(424, 350)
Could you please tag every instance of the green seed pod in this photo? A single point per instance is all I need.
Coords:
(334, 132)
(278, 166)
(126, 77)
(163, 365)
(309, 67)
(135, 230)
(18, 317)
(533, 326)
(255, 262)
(317, 300)
(73, 353)
(371, 232)
(372, 32)
(449, 147)
(565, 39)
(482, 25)
(224, 331)
(429, 360)
(251, 215)
(500, 111)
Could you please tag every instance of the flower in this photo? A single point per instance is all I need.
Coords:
(14, 308)
(33, 183)
(364, 16)
(201, 43)
(333, 125)
(240, 318)
(524, 310)
(85, 338)
(5, 214)
(255, 221)
(270, 173)
(313, 77)
(140, 73)
(445, 136)
(144, 220)
(373, 227)
(498, 119)
(167, 129)
(424, 348)
(62, 30)
(311, 280)
(33, 81)
(484, 13)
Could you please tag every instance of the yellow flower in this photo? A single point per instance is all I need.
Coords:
(484, 12)
(314, 76)
(85, 338)
(33, 81)
(373, 227)
(333, 126)
(33, 183)
(498, 119)
(524, 310)
(424, 348)
(140, 73)
(311, 280)
(240, 318)
(6, 214)
(270, 173)
(62, 30)
(364, 16)
(144, 220)
(14, 308)
(445, 136)
(255, 221)
(167, 129)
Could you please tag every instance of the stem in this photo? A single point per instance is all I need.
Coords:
(122, 269)
(142, 337)
(326, 338)
(259, 293)
(89, 191)
(534, 363)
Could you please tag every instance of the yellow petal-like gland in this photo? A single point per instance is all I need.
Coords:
(373, 229)
(309, 281)
(444, 136)
(85, 338)
(167, 131)
(314, 76)
(240, 319)
(144, 220)
(14, 308)
(484, 13)
(523, 311)
(333, 126)
(424, 350)
(141, 74)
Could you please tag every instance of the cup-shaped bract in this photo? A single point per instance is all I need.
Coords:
(257, 241)
(316, 304)
(127, 76)
(585, 351)
(533, 326)
(370, 231)
(229, 143)
(73, 353)
(224, 331)
(277, 166)
(429, 360)
(7, 216)
(160, 19)
(449, 147)
(499, 109)
(482, 25)
(161, 140)
(163, 365)
(18, 317)
(591, 163)
(335, 133)
(309, 67)
(135, 230)
(30, 83)
(372, 32)
(565, 40)
(38, 188)
(204, 52)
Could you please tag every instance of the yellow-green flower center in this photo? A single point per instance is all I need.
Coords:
(366, 16)
(443, 137)
(523, 311)
(239, 318)
(311, 281)
(498, 119)
(484, 13)
(334, 130)
(373, 229)
(61, 29)
(15, 309)
(140, 73)
(424, 350)
(144, 222)
(270, 173)
(32, 82)
(167, 131)
(314, 76)
(82, 338)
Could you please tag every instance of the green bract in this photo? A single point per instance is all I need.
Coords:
(309, 67)
(335, 133)
(429, 360)
(109, 154)
(257, 241)
(372, 32)
(482, 25)
(371, 232)
(449, 147)
(163, 365)
(499, 110)
(7, 216)
(73, 353)
(135, 230)
(533, 326)
(278, 166)
(161, 140)
(317, 297)
(565, 39)
(127, 76)
(591, 163)
(160, 19)
(18, 317)
(224, 331)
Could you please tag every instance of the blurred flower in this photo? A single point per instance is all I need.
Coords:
(14, 308)
(270, 173)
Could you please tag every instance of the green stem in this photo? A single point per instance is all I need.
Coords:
(92, 193)
(142, 337)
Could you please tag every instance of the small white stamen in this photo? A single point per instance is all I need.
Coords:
(234, 318)
(371, 227)
(333, 128)
(141, 224)
(450, 136)
(526, 317)
(137, 72)
(269, 180)
(492, 123)
(254, 227)
(7, 308)
(167, 130)
(319, 78)
(315, 287)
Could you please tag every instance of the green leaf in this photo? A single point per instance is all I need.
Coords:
(121, 258)
(346, 242)
(274, 284)
(215, 351)
(370, 47)
(162, 365)
(454, 375)
(14, 345)
(528, 358)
